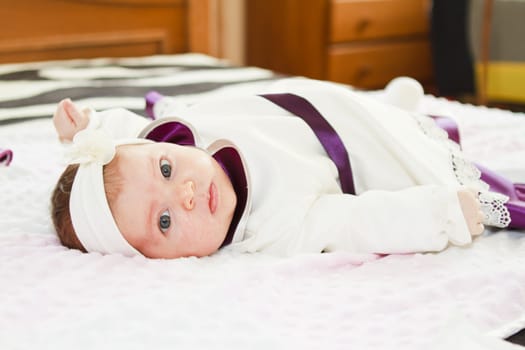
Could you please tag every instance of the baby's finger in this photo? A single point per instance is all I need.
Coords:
(481, 216)
(478, 229)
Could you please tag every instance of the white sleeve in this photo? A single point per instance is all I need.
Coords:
(117, 122)
(417, 219)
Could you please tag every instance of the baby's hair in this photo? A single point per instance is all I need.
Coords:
(60, 209)
(60, 201)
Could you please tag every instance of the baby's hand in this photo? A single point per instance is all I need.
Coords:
(69, 119)
(468, 200)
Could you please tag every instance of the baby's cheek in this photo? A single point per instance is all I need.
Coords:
(198, 236)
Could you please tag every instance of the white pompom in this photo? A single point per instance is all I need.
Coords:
(91, 146)
(404, 92)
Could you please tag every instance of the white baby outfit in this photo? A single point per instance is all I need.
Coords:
(406, 173)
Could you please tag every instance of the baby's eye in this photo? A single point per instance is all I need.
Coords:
(164, 221)
(165, 168)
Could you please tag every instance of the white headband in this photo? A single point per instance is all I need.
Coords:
(88, 206)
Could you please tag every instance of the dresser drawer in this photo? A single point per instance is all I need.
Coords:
(369, 19)
(370, 66)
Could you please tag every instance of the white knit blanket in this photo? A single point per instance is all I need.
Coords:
(55, 298)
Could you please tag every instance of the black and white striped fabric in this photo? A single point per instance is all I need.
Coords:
(32, 90)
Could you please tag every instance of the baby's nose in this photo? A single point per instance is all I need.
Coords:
(187, 195)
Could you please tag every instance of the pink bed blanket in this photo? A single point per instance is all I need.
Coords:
(55, 298)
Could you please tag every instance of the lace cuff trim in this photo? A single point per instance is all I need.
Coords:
(492, 204)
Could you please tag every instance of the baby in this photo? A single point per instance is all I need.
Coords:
(309, 167)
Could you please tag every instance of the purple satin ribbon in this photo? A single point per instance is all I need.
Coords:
(326, 134)
(6, 156)
(231, 162)
(172, 132)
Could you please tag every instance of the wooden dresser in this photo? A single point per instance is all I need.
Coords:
(35, 30)
(365, 43)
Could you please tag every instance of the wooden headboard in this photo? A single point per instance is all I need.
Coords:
(35, 30)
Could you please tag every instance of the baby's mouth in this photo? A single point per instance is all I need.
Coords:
(212, 202)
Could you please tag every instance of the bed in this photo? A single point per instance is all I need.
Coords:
(56, 298)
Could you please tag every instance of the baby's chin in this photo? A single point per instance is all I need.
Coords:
(199, 254)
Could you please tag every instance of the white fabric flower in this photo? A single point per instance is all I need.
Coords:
(91, 146)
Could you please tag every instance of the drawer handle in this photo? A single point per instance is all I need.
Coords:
(362, 25)
(362, 72)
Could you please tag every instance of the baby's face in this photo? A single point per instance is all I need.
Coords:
(175, 200)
